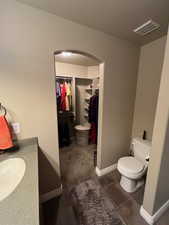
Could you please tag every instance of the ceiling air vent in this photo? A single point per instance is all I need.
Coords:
(146, 28)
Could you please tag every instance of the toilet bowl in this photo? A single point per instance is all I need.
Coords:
(82, 134)
(132, 172)
(133, 168)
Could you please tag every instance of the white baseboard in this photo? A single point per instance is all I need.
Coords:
(52, 194)
(102, 172)
(151, 219)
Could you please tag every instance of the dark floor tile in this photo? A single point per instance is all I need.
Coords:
(59, 211)
(130, 212)
(116, 176)
(139, 195)
(66, 214)
(113, 177)
(106, 180)
(77, 163)
(50, 211)
(116, 194)
(164, 219)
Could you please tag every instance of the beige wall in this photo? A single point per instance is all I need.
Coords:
(28, 39)
(157, 185)
(149, 75)
(93, 71)
(71, 69)
(68, 69)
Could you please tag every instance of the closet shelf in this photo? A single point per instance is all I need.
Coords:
(87, 103)
(90, 89)
(87, 99)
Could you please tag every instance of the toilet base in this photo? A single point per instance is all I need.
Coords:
(130, 185)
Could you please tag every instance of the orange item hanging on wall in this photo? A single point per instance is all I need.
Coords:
(5, 134)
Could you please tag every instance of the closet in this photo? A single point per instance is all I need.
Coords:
(74, 106)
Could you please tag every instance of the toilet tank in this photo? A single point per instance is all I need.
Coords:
(141, 149)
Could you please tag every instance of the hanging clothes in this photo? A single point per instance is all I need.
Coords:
(93, 109)
(93, 118)
(67, 97)
(63, 97)
(93, 133)
(69, 94)
(58, 90)
(58, 96)
(64, 107)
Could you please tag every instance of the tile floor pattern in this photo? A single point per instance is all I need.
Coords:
(60, 211)
(77, 163)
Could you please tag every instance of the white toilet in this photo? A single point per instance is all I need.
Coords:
(133, 168)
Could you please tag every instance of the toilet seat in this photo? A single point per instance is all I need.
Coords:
(130, 166)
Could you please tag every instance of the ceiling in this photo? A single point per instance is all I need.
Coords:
(77, 59)
(115, 17)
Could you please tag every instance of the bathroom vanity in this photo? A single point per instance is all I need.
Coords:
(21, 206)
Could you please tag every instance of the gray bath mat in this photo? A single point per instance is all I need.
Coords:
(92, 205)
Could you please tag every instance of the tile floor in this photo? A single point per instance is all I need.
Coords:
(128, 205)
(77, 163)
(59, 211)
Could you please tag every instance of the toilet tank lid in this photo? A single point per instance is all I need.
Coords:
(140, 140)
(141, 148)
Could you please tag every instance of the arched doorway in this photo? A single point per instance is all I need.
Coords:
(78, 113)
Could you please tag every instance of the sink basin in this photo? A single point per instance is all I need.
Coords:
(11, 173)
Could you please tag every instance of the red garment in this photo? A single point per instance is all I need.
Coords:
(63, 97)
(5, 134)
(93, 134)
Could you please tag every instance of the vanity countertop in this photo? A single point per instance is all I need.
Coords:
(21, 207)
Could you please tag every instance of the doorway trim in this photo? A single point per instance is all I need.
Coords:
(100, 113)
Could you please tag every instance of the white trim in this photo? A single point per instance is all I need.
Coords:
(151, 219)
(146, 216)
(102, 172)
(51, 194)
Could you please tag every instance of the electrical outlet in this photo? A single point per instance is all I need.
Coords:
(16, 128)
